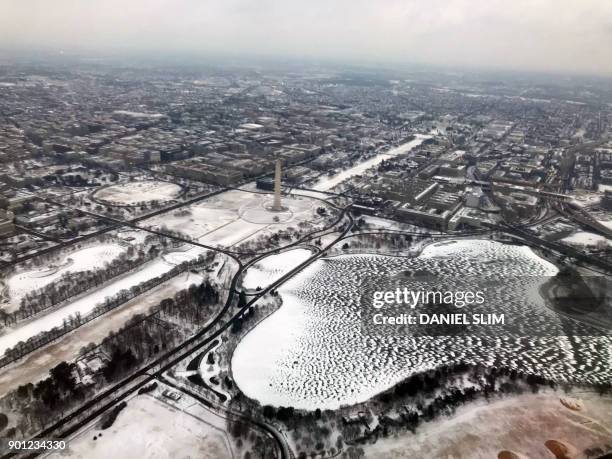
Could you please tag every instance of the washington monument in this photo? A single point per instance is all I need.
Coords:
(277, 188)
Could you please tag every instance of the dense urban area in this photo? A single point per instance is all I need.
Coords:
(183, 250)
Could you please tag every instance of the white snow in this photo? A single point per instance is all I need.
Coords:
(585, 199)
(273, 267)
(86, 259)
(142, 191)
(314, 352)
(607, 223)
(234, 216)
(585, 238)
(132, 237)
(494, 425)
(215, 221)
(37, 364)
(603, 188)
(327, 183)
(86, 303)
(310, 193)
(138, 114)
(152, 429)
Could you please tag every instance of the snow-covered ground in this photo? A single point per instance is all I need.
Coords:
(208, 371)
(36, 365)
(234, 216)
(587, 239)
(86, 259)
(86, 303)
(273, 267)
(603, 188)
(327, 183)
(607, 223)
(152, 429)
(378, 223)
(131, 193)
(521, 424)
(586, 198)
(138, 114)
(132, 236)
(215, 221)
(315, 352)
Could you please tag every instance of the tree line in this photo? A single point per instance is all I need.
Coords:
(72, 322)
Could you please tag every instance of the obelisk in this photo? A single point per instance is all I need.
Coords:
(277, 187)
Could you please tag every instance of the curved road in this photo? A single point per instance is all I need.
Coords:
(96, 406)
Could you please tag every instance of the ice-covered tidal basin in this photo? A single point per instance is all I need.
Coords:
(312, 353)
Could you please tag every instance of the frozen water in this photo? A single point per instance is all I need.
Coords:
(272, 267)
(312, 352)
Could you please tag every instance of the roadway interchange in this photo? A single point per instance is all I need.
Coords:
(221, 323)
(102, 402)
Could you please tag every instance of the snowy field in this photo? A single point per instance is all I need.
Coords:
(273, 267)
(585, 199)
(603, 188)
(86, 303)
(208, 371)
(149, 428)
(132, 237)
(521, 424)
(131, 193)
(607, 223)
(36, 365)
(138, 114)
(234, 216)
(587, 239)
(81, 260)
(327, 183)
(314, 353)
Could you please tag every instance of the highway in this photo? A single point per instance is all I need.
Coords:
(116, 223)
(283, 449)
(96, 406)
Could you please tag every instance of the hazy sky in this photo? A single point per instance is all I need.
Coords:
(548, 35)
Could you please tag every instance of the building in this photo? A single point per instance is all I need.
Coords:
(411, 190)
(606, 201)
(426, 216)
(7, 227)
(486, 168)
(444, 200)
(472, 217)
(197, 170)
(37, 219)
(296, 174)
(265, 183)
(452, 170)
(453, 157)
(473, 197)
(521, 204)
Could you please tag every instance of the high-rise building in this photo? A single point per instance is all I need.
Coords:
(6, 223)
